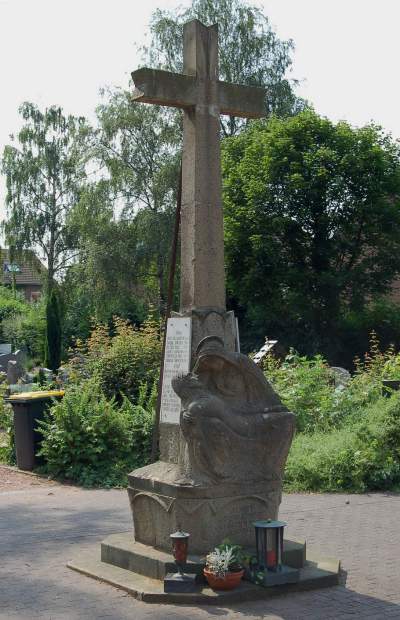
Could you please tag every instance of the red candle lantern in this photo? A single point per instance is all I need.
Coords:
(180, 581)
(180, 544)
(269, 544)
(269, 548)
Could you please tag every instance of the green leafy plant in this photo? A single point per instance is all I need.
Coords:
(7, 444)
(221, 561)
(92, 440)
(26, 330)
(121, 362)
(235, 551)
(306, 386)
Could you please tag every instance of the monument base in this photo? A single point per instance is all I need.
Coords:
(161, 503)
(140, 570)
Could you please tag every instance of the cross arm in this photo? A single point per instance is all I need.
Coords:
(238, 100)
(164, 88)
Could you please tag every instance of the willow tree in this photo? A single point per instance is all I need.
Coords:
(45, 170)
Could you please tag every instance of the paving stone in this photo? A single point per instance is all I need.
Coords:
(39, 533)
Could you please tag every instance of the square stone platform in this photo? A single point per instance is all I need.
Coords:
(162, 503)
(140, 569)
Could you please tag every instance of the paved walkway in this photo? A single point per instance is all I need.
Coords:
(43, 526)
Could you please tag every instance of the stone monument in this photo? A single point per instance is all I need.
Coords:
(222, 452)
(224, 433)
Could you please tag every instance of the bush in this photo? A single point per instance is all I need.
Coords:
(132, 358)
(306, 386)
(27, 331)
(120, 363)
(90, 439)
(360, 456)
(349, 438)
(7, 446)
(11, 303)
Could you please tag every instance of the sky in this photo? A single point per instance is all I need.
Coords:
(63, 51)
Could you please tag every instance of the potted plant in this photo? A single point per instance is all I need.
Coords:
(223, 569)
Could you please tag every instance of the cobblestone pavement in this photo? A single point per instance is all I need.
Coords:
(41, 528)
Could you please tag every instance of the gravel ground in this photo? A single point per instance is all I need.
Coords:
(11, 479)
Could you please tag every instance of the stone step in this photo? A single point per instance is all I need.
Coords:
(317, 573)
(123, 551)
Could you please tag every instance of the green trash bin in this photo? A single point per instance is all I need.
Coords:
(28, 408)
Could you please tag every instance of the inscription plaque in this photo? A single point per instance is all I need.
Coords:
(176, 362)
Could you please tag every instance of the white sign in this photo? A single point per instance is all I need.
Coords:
(176, 362)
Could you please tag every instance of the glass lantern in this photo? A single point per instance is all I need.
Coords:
(269, 544)
(269, 549)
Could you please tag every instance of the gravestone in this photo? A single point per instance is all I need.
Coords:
(14, 371)
(223, 447)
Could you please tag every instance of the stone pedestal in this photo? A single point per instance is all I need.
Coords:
(162, 503)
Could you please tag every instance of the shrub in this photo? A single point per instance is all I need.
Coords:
(7, 446)
(121, 363)
(92, 440)
(306, 386)
(132, 358)
(11, 303)
(26, 331)
(362, 455)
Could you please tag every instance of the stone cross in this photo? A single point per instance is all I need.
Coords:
(203, 98)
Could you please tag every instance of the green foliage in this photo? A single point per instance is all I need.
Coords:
(311, 225)
(7, 445)
(360, 456)
(27, 330)
(121, 361)
(131, 359)
(91, 440)
(138, 145)
(53, 334)
(347, 438)
(110, 277)
(381, 315)
(11, 303)
(306, 387)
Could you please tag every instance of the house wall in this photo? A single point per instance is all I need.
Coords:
(28, 289)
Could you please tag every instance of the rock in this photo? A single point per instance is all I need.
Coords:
(342, 377)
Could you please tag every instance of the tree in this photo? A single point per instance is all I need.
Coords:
(138, 144)
(249, 50)
(312, 221)
(53, 336)
(109, 277)
(44, 174)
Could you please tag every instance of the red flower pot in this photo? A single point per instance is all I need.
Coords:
(229, 582)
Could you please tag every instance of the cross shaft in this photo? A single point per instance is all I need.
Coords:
(203, 98)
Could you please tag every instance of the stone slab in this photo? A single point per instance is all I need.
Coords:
(176, 361)
(123, 551)
(166, 479)
(318, 573)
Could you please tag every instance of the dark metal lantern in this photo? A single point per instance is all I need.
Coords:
(269, 549)
(269, 544)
